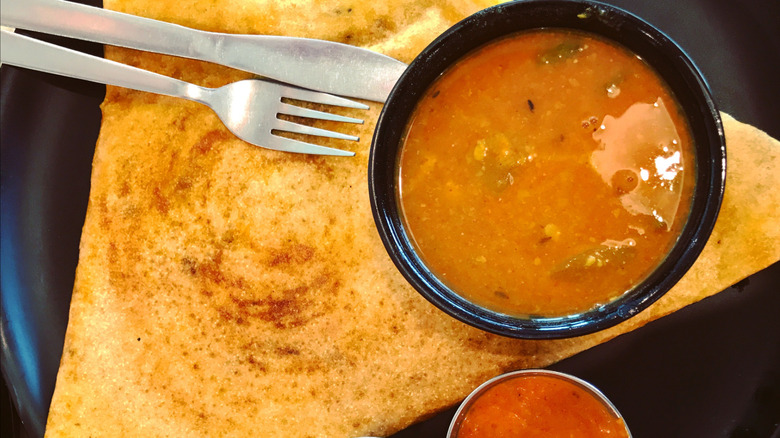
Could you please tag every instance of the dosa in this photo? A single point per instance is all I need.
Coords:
(229, 290)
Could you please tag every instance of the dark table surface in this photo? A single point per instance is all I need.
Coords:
(709, 370)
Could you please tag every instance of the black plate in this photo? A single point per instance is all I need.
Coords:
(709, 370)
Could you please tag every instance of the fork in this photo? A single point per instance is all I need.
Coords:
(248, 108)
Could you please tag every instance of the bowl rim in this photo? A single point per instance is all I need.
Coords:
(668, 59)
(481, 389)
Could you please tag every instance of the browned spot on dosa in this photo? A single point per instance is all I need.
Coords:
(296, 253)
(290, 308)
(207, 142)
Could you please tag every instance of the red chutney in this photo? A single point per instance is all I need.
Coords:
(545, 174)
(539, 406)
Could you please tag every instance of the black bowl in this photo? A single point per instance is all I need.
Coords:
(658, 50)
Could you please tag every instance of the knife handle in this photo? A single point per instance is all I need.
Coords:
(75, 20)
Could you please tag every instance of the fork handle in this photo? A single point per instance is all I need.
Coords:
(89, 23)
(38, 55)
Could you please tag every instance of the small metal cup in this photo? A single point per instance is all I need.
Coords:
(463, 410)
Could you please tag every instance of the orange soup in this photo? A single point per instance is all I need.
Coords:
(546, 173)
(539, 406)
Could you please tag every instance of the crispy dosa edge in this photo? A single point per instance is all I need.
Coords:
(229, 290)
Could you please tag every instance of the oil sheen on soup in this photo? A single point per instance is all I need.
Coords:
(546, 173)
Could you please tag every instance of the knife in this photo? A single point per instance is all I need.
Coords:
(315, 64)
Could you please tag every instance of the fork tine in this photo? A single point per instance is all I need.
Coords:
(284, 125)
(317, 97)
(289, 145)
(292, 110)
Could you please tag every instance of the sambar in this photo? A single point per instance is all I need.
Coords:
(546, 173)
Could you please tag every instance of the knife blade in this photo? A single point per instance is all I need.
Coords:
(315, 64)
